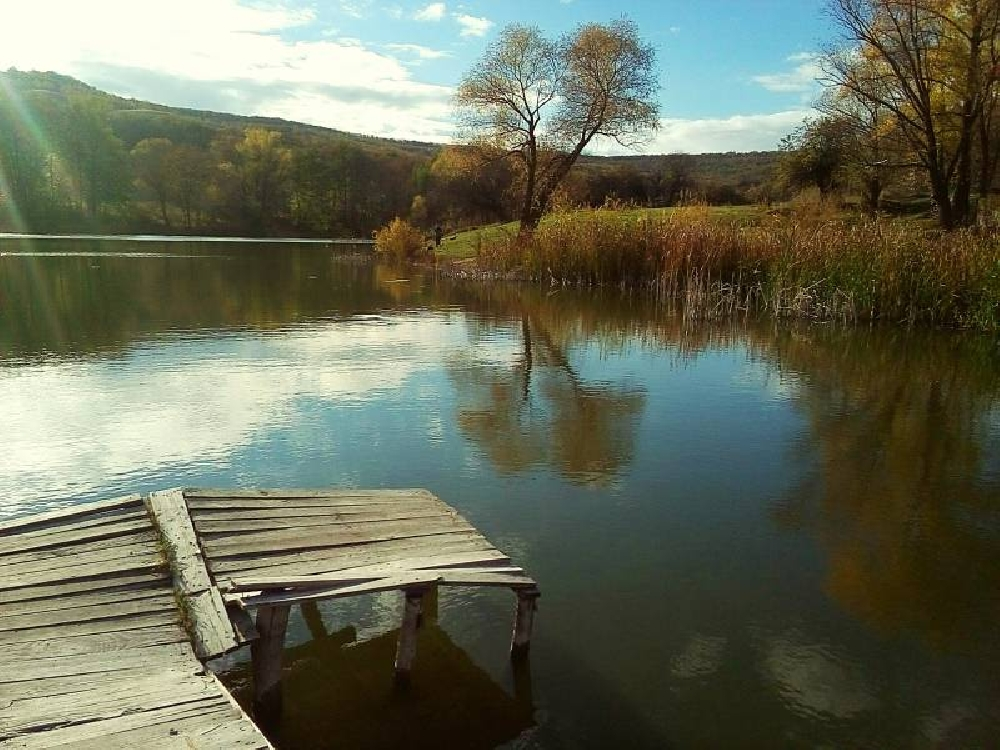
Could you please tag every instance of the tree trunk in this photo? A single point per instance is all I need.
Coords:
(961, 200)
(163, 212)
(988, 151)
(939, 189)
(530, 215)
(872, 191)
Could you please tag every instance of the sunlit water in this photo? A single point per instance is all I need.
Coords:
(746, 535)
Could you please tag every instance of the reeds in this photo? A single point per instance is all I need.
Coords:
(789, 266)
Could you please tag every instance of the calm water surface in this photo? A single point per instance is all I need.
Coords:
(746, 535)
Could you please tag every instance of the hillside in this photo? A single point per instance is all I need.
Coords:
(161, 120)
(75, 158)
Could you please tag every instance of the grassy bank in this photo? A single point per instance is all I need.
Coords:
(788, 265)
(468, 243)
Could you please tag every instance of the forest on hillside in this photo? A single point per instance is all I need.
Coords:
(73, 158)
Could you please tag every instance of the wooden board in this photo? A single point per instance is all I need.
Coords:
(206, 613)
(210, 528)
(317, 561)
(492, 558)
(350, 535)
(65, 516)
(102, 643)
(89, 528)
(104, 582)
(194, 493)
(94, 652)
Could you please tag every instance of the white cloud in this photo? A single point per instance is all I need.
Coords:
(238, 58)
(800, 79)
(696, 136)
(424, 53)
(473, 25)
(815, 680)
(432, 12)
(355, 8)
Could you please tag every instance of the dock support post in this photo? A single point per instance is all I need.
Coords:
(265, 656)
(428, 607)
(406, 648)
(524, 618)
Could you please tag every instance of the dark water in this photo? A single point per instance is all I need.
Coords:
(746, 535)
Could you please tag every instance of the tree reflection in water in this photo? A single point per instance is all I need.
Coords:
(539, 410)
(902, 497)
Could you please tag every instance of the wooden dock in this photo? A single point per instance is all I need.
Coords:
(109, 610)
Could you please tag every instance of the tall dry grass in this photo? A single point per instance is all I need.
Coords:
(789, 266)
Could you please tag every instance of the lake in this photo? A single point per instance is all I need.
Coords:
(746, 533)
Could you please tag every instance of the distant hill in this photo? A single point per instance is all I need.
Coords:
(76, 158)
(136, 119)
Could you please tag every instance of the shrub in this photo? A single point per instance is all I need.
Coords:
(400, 240)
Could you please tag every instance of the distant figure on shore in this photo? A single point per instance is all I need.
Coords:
(437, 236)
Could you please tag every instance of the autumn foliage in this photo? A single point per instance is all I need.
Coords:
(400, 240)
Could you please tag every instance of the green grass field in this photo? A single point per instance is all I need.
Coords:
(465, 244)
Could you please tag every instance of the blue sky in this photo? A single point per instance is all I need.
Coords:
(735, 75)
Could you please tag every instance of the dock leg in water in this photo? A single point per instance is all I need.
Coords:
(406, 648)
(265, 655)
(524, 618)
(428, 607)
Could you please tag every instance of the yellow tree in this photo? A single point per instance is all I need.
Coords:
(932, 64)
(252, 175)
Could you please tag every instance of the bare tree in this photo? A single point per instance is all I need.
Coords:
(933, 65)
(598, 81)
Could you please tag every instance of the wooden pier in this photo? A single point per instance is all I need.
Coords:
(109, 610)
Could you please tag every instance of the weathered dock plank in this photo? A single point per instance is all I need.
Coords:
(323, 495)
(149, 560)
(254, 544)
(102, 643)
(70, 515)
(70, 601)
(92, 529)
(32, 668)
(95, 653)
(324, 560)
(210, 628)
(162, 602)
(110, 582)
(493, 560)
(244, 524)
(79, 552)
